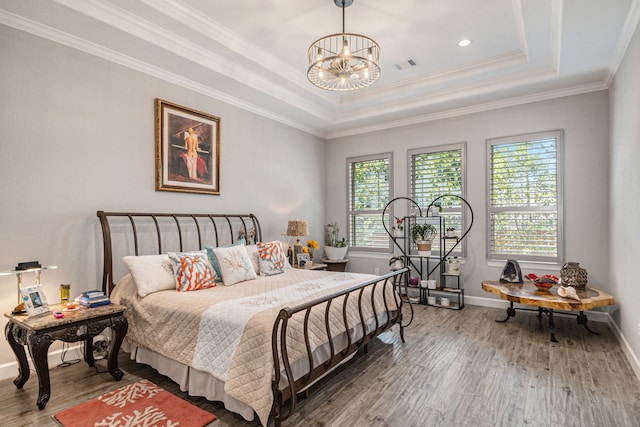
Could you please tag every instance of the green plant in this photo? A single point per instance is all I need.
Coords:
(333, 238)
(399, 224)
(424, 231)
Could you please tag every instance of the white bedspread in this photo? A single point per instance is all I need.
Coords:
(226, 331)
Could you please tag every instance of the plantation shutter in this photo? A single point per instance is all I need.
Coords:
(525, 215)
(434, 172)
(369, 192)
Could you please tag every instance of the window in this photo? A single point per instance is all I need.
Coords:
(525, 197)
(436, 171)
(369, 192)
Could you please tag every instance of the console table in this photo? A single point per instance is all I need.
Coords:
(38, 332)
(547, 301)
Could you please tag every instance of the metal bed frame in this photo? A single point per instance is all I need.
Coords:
(236, 225)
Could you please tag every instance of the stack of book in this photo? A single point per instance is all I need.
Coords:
(94, 299)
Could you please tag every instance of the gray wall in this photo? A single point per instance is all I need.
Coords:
(585, 121)
(77, 135)
(625, 196)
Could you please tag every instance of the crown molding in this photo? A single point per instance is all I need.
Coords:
(463, 111)
(119, 18)
(626, 34)
(66, 39)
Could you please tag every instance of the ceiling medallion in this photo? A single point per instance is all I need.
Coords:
(345, 61)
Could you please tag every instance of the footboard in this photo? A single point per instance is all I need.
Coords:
(385, 315)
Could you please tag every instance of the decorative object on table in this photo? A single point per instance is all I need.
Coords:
(396, 263)
(453, 266)
(568, 292)
(187, 150)
(435, 209)
(335, 247)
(511, 272)
(34, 300)
(543, 283)
(423, 235)
(572, 274)
(297, 228)
(139, 403)
(311, 246)
(343, 61)
(414, 281)
(65, 293)
(451, 232)
(19, 271)
(398, 228)
(302, 260)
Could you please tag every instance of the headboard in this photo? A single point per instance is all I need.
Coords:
(155, 233)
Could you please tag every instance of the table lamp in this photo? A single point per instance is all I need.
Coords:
(297, 228)
(19, 270)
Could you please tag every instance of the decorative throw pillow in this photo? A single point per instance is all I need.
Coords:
(214, 261)
(151, 273)
(192, 271)
(252, 250)
(272, 258)
(235, 265)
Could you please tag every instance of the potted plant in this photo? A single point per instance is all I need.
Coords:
(451, 232)
(335, 247)
(398, 229)
(422, 235)
(396, 263)
(435, 209)
(453, 266)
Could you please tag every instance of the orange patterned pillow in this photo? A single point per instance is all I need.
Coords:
(272, 258)
(192, 270)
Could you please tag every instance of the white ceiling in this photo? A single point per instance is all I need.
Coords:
(252, 53)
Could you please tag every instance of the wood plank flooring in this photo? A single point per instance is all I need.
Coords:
(457, 368)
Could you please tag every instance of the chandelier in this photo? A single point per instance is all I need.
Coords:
(345, 61)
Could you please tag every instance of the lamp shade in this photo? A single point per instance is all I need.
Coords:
(297, 227)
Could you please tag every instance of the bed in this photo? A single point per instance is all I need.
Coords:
(253, 345)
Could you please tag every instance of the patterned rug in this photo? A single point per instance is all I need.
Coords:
(139, 404)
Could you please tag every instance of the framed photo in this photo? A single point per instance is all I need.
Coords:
(34, 299)
(303, 259)
(187, 150)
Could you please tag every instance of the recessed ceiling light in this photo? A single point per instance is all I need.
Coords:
(464, 43)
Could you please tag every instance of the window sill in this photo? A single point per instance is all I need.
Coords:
(528, 265)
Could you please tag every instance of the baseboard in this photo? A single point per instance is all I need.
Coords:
(596, 316)
(10, 370)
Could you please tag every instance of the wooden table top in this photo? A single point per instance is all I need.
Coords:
(46, 320)
(528, 294)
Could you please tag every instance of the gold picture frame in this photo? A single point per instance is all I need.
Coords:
(187, 149)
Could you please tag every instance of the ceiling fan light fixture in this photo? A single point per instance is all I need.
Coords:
(344, 61)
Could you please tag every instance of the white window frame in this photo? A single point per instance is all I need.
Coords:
(462, 147)
(351, 214)
(492, 255)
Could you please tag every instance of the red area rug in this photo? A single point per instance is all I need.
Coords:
(139, 404)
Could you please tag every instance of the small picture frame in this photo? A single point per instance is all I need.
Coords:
(34, 299)
(303, 259)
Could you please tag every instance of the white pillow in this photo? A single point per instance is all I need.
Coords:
(252, 250)
(235, 265)
(151, 273)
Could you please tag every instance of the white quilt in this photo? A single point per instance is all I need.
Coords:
(226, 331)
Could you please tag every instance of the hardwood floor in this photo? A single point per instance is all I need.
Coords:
(457, 368)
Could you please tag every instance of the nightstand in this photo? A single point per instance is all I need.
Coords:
(38, 332)
(336, 264)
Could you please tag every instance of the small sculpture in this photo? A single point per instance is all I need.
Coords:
(568, 292)
(511, 272)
